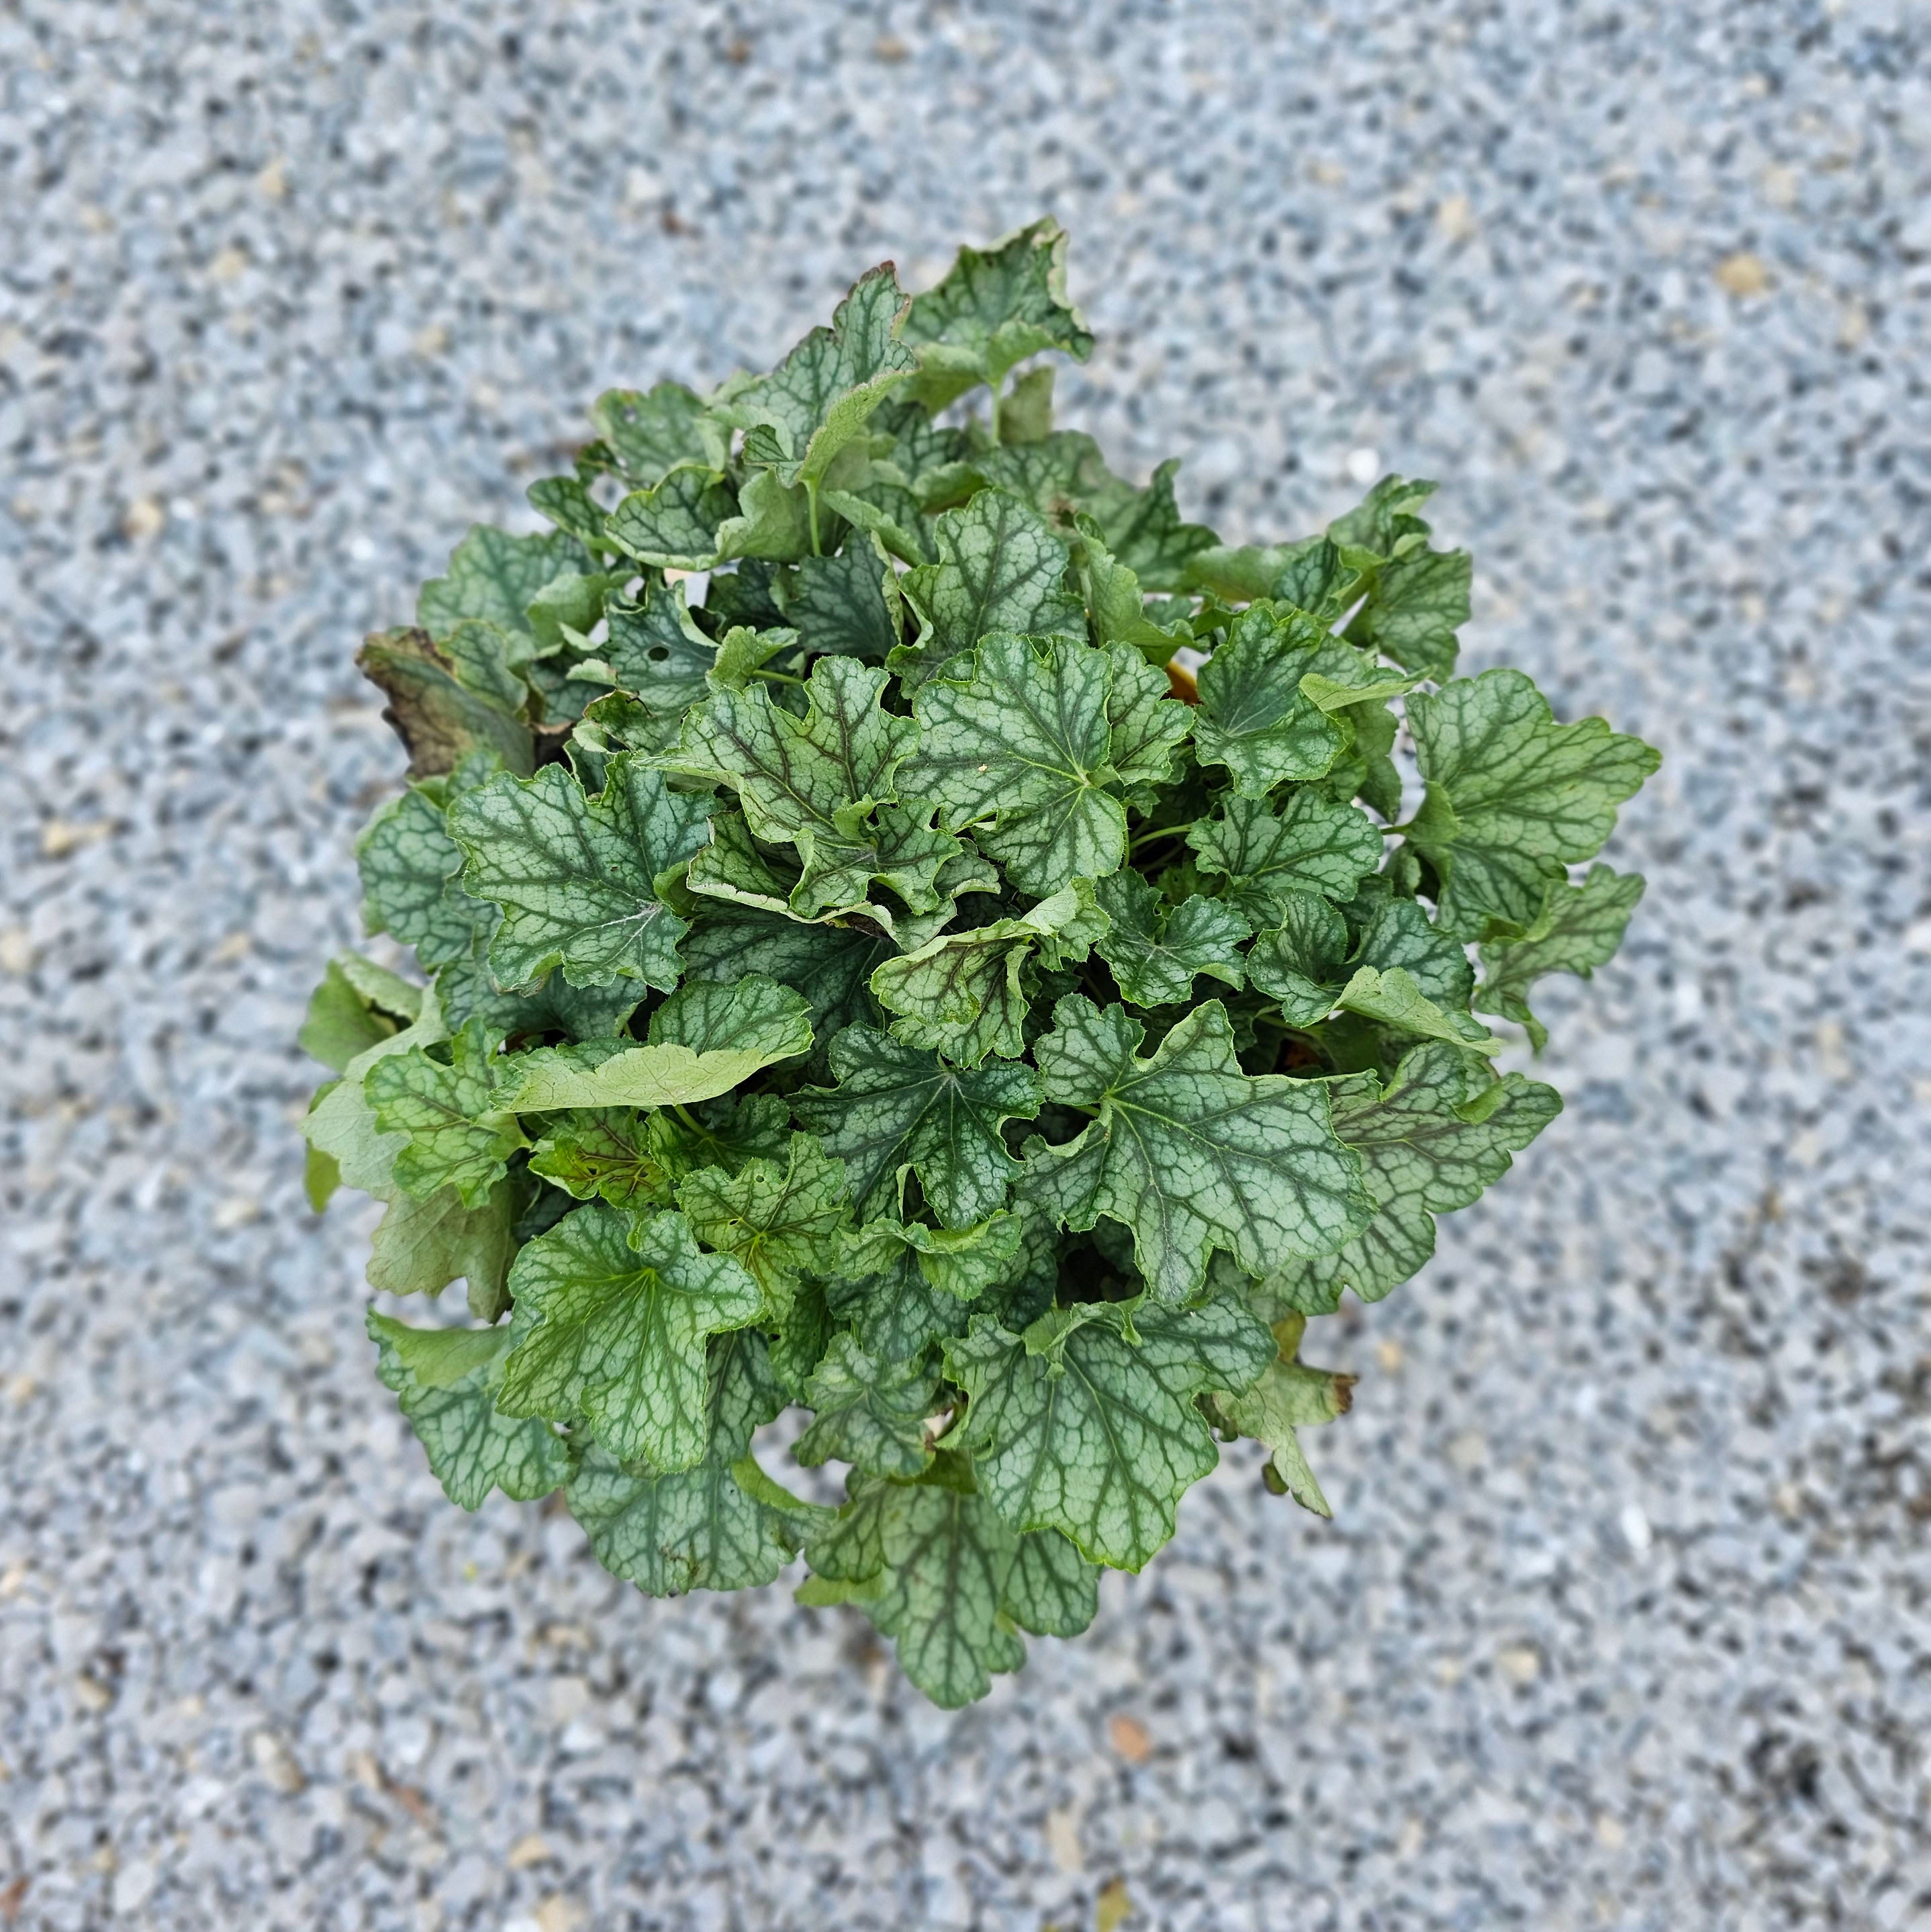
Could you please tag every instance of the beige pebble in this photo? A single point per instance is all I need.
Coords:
(1519, 1663)
(1743, 273)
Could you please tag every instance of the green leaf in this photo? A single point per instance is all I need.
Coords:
(635, 1159)
(1241, 573)
(996, 307)
(1254, 717)
(1052, 1590)
(725, 1132)
(358, 1004)
(612, 1312)
(1316, 845)
(653, 432)
(1431, 1143)
(1086, 1424)
(1418, 602)
(962, 995)
(830, 965)
(1393, 999)
(846, 605)
(552, 1006)
(898, 1110)
(1318, 575)
(459, 1134)
(1146, 532)
(494, 576)
(700, 1528)
(1034, 751)
(1116, 607)
(420, 1247)
(964, 1263)
(869, 1413)
(320, 1176)
(774, 520)
(1400, 934)
(888, 513)
(606, 1153)
(903, 1286)
(882, 1294)
(742, 652)
(1289, 1396)
(446, 1379)
(655, 651)
(576, 876)
(815, 783)
(736, 868)
(706, 1039)
(802, 414)
(439, 721)
(1026, 411)
(488, 661)
(1345, 682)
(1001, 568)
(674, 525)
(1304, 963)
(1513, 797)
(567, 502)
(1579, 929)
(940, 1561)
(1156, 950)
(1187, 1151)
(408, 864)
(781, 1223)
(1064, 476)
(1384, 522)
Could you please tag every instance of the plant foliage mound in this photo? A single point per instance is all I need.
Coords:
(858, 976)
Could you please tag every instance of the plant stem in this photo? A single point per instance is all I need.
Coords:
(812, 497)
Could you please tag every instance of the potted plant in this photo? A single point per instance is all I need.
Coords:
(863, 970)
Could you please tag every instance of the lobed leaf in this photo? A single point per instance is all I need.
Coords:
(1087, 1424)
(1033, 752)
(1513, 797)
(1316, 845)
(962, 993)
(1429, 1143)
(705, 1040)
(1580, 928)
(706, 1527)
(446, 1380)
(1157, 950)
(1189, 1152)
(898, 1110)
(996, 307)
(576, 876)
(612, 1310)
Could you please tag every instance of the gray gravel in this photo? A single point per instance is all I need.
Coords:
(1621, 1621)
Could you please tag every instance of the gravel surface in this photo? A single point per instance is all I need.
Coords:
(1621, 1620)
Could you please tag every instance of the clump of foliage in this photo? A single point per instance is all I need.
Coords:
(812, 861)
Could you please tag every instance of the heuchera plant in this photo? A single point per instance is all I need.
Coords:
(813, 846)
